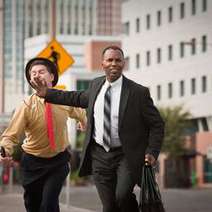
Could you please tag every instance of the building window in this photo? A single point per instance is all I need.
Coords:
(193, 7)
(182, 10)
(158, 18)
(182, 88)
(137, 60)
(170, 14)
(158, 55)
(148, 21)
(170, 90)
(204, 84)
(204, 43)
(30, 30)
(158, 92)
(82, 84)
(204, 5)
(170, 52)
(137, 25)
(193, 86)
(148, 58)
(126, 29)
(193, 46)
(127, 63)
(182, 52)
(90, 31)
(39, 28)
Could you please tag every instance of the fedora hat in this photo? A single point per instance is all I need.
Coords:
(51, 67)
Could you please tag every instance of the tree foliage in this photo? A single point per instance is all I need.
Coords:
(176, 123)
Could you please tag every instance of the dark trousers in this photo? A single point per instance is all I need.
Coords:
(43, 182)
(42, 195)
(113, 180)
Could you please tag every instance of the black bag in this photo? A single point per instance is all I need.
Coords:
(150, 197)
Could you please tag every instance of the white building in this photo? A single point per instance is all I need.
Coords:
(168, 45)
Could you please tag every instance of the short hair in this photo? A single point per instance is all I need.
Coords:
(114, 48)
(40, 62)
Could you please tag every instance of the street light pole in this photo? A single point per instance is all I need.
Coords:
(2, 97)
(51, 37)
(53, 20)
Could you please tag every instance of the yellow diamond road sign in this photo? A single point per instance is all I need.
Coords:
(56, 53)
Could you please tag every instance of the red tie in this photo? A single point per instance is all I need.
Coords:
(49, 124)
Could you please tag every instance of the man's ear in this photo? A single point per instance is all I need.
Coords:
(52, 77)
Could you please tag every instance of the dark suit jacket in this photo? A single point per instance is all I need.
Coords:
(141, 128)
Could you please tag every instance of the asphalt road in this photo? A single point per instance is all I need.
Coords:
(85, 197)
(175, 200)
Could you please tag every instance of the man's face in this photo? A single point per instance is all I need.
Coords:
(41, 72)
(113, 64)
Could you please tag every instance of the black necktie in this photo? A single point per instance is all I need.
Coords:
(107, 119)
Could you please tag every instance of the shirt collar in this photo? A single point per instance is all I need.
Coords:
(42, 100)
(118, 82)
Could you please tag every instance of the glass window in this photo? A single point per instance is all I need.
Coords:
(204, 43)
(159, 92)
(127, 63)
(137, 25)
(158, 18)
(204, 5)
(182, 49)
(193, 46)
(193, 7)
(182, 10)
(182, 88)
(158, 55)
(204, 84)
(148, 58)
(148, 21)
(137, 60)
(170, 14)
(193, 86)
(170, 90)
(126, 29)
(170, 52)
(82, 84)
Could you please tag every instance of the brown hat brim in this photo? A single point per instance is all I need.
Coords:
(44, 61)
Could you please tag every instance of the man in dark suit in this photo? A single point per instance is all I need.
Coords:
(124, 129)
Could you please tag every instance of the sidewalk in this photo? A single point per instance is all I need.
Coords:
(14, 202)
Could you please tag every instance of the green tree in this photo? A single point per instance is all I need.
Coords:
(176, 123)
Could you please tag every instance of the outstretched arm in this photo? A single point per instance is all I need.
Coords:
(10, 137)
(70, 98)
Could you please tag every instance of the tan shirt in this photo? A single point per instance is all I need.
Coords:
(29, 118)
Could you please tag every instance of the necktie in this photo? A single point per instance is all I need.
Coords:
(107, 118)
(49, 125)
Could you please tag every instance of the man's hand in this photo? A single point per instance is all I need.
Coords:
(5, 158)
(81, 126)
(150, 159)
(40, 86)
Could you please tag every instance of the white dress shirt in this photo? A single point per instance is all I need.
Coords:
(99, 113)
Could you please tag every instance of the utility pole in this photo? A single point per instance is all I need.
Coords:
(52, 36)
(1, 61)
(52, 20)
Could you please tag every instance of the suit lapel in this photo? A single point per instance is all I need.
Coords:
(96, 90)
(123, 99)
